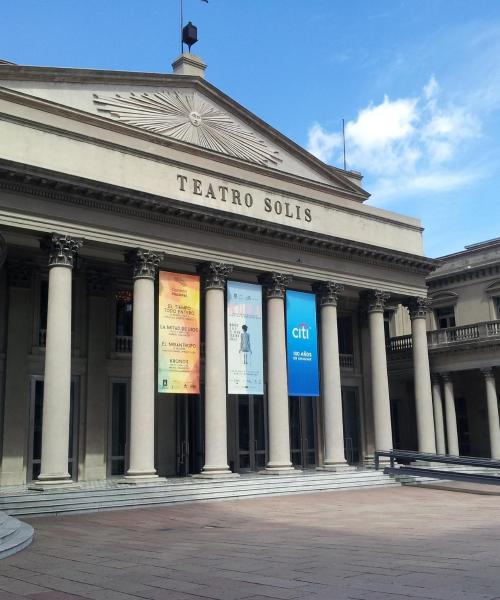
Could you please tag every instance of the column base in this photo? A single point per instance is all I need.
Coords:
(147, 479)
(47, 485)
(216, 475)
(284, 470)
(341, 467)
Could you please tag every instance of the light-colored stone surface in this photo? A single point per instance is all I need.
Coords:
(57, 385)
(451, 417)
(142, 405)
(422, 383)
(366, 545)
(438, 416)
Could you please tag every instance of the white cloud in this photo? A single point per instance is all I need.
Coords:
(405, 146)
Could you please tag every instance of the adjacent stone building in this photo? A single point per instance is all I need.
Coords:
(464, 348)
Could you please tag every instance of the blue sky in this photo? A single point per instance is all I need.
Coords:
(417, 81)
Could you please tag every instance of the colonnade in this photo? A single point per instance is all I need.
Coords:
(447, 443)
(56, 406)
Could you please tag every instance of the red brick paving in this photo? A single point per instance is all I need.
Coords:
(393, 543)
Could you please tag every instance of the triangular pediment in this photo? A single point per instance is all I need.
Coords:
(181, 108)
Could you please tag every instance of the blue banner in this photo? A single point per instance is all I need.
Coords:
(302, 344)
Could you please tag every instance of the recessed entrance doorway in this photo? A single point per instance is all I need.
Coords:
(352, 424)
(302, 412)
(189, 445)
(118, 455)
(251, 430)
(35, 424)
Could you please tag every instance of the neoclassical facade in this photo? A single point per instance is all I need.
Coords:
(107, 178)
(463, 336)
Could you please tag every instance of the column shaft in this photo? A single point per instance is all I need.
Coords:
(438, 417)
(330, 378)
(142, 400)
(57, 380)
(277, 384)
(214, 279)
(422, 377)
(493, 423)
(215, 384)
(451, 417)
(379, 379)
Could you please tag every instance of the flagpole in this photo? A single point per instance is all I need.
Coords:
(182, 23)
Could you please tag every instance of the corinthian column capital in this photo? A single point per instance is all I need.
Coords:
(214, 274)
(144, 262)
(488, 372)
(375, 300)
(418, 307)
(62, 249)
(275, 284)
(328, 292)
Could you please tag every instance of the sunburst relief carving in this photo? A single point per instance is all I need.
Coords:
(190, 118)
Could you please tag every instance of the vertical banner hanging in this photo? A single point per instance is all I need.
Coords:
(179, 334)
(245, 369)
(302, 344)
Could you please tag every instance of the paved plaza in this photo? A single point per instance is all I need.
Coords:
(394, 543)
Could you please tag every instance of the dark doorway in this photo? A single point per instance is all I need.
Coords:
(251, 433)
(189, 435)
(303, 432)
(352, 425)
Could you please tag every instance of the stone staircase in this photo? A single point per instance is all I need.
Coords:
(109, 495)
(14, 535)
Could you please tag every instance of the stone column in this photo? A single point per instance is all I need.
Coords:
(333, 428)
(16, 391)
(375, 302)
(438, 415)
(492, 400)
(214, 279)
(57, 380)
(96, 430)
(418, 308)
(277, 384)
(142, 400)
(451, 415)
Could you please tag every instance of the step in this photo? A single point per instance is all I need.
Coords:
(191, 490)
(14, 535)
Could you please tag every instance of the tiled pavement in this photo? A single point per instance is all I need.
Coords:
(394, 544)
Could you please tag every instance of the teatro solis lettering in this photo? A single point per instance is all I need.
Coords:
(236, 196)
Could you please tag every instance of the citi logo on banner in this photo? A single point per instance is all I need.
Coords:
(301, 332)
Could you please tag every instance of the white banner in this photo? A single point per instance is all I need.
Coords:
(245, 367)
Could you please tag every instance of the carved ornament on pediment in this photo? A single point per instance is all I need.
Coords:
(188, 117)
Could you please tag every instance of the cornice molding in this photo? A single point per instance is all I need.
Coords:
(149, 207)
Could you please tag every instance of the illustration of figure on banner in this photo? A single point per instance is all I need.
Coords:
(245, 347)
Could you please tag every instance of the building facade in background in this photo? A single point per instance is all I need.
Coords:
(464, 349)
(184, 290)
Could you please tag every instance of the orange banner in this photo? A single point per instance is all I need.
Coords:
(179, 334)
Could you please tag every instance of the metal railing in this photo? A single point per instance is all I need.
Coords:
(408, 456)
(346, 361)
(123, 344)
(449, 336)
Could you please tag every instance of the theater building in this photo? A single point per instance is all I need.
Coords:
(111, 181)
